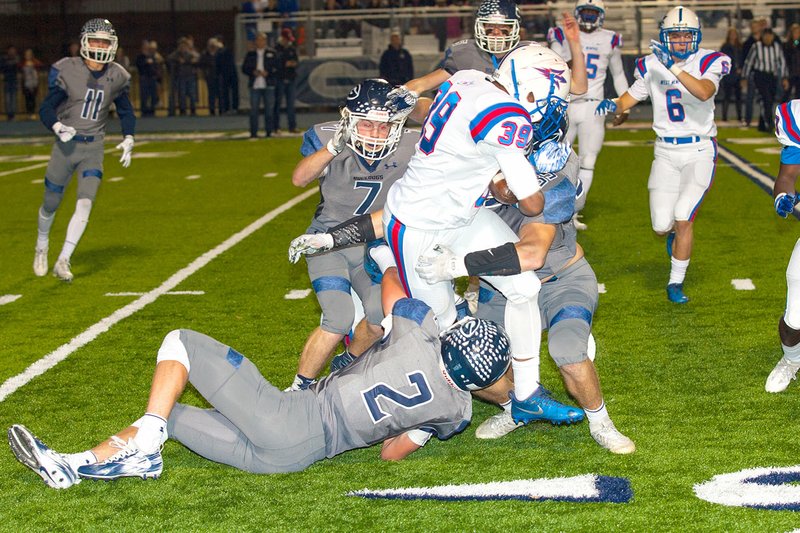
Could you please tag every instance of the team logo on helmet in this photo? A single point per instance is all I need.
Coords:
(475, 353)
(556, 76)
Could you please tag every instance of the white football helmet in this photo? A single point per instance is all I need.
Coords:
(502, 13)
(678, 20)
(590, 14)
(369, 101)
(98, 29)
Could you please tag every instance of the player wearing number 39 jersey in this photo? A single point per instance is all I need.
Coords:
(681, 79)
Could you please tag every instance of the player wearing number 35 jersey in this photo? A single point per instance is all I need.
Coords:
(681, 79)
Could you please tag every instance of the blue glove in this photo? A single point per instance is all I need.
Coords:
(605, 107)
(661, 51)
(551, 157)
(342, 360)
(784, 204)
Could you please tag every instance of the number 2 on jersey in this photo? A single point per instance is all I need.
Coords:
(382, 390)
(91, 103)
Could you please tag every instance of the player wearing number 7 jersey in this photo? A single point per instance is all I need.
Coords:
(76, 108)
(681, 79)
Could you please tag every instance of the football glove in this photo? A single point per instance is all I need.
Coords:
(443, 265)
(341, 360)
(127, 149)
(402, 101)
(309, 244)
(340, 138)
(605, 107)
(551, 157)
(661, 51)
(784, 204)
(64, 133)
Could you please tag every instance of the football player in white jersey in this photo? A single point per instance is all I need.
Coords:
(601, 52)
(787, 129)
(681, 80)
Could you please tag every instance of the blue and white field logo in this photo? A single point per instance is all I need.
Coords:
(760, 488)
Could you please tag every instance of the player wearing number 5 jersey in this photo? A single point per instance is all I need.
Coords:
(76, 108)
(681, 79)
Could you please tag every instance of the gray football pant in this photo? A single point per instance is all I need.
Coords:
(253, 426)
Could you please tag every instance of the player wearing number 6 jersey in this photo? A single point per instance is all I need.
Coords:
(681, 79)
(76, 108)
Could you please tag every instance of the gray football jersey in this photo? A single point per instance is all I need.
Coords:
(351, 186)
(465, 55)
(562, 190)
(89, 97)
(395, 386)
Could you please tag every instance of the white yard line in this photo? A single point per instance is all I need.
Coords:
(8, 298)
(62, 352)
(38, 165)
(170, 293)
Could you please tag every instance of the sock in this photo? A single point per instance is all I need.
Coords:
(791, 353)
(383, 257)
(506, 406)
(586, 175)
(597, 415)
(678, 271)
(76, 227)
(301, 382)
(79, 459)
(45, 223)
(526, 377)
(152, 433)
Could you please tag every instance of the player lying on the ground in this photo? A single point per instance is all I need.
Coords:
(412, 385)
(787, 119)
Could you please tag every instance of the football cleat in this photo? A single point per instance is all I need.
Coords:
(675, 293)
(610, 438)
(497, 426)
(61, 270)
(50, 465)
(670, 240)
(542, 406)
(341, 360)
(40, 266)
(783, 374)
(370, 266)
(129, 461)
(300, 383)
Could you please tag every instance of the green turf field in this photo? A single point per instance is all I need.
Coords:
(686, 383)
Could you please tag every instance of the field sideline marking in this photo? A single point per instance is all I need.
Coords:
(50, 360)
(170, 293)
(8, 298)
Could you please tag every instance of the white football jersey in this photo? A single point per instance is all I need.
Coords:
(473, 129)
(787, 123)
(601, 50)
(676, 112)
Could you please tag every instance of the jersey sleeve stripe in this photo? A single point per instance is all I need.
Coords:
(485, 121)
(616, 41)
(789, 123)
(641, 67)
(558, 33)
(707, 61)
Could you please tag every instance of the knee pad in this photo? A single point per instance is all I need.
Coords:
(333, 295)
(524, 286)
(568, 341)
(88, 184)
(173, 349)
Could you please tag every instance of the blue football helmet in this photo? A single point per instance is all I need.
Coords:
(476, 353)
(680, 20)
(502, 13)
(98, 29)
(368, 102)
(590, 14)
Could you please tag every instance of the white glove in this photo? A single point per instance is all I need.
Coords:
(309, 244)
(402, 101)
(443, 265)
(64, 133)
(552, 156)
(340, 138)
(127, 148)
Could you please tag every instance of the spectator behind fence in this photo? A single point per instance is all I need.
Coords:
(30, 67)
(9, 67)
(756, 27)
(208, 64)
(183, 63)
(731, 84)
(792, 52)
(285, 83)
(260, 66)
(122, 59)
(228, 79)
(766, 63)
(149, 77)
(397, 66)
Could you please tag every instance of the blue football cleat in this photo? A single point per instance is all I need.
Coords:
(542, 406)
(675, 293)
(50, 465)
(129, 461)
(670, 240)
(341, 360)
(373, 271)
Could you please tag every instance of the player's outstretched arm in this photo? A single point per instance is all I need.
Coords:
(399, 447)
(360, 229)
(580, 81)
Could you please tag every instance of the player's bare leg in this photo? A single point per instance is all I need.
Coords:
(316, 352)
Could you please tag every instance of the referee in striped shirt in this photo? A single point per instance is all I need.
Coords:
(766, 62)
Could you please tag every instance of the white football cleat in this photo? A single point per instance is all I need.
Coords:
(580, 226)
(50, 465)
(780, 377)
(497, 426)
(40, 266)
(610, 438)
(61, 270)
(129, 461)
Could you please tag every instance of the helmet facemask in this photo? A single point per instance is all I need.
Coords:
(373, 135)
(589, 17)
(496, 34)
(98, 30)
(679, 27)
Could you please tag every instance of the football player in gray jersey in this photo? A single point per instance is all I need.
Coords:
(413, 384)
(80, 95)
(356, 161)
(567, 301)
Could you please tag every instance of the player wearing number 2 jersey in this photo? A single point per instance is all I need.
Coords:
(681, 79)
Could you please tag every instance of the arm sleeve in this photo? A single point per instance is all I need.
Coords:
(617, 71)
(47, 111)
(419, 436)
(126, 115)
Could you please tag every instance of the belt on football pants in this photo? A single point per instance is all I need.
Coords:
(83, 138)
(681, 140)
